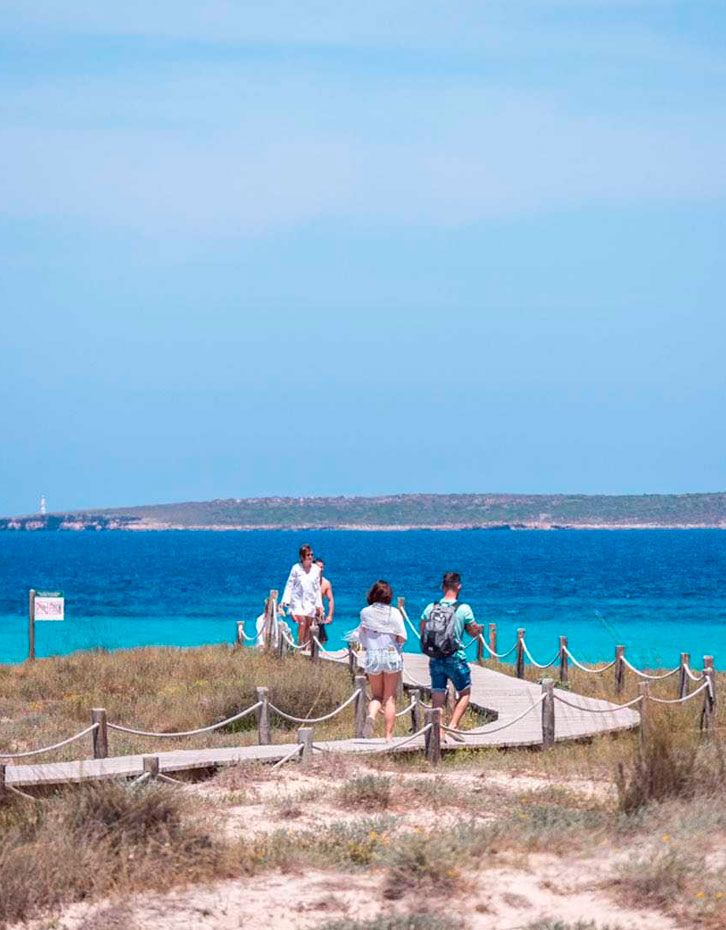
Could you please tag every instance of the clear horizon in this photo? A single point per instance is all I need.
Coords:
(268, 251)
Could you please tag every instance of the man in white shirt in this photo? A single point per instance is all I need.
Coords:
(302, 594)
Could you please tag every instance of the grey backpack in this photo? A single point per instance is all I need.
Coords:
(438, 640)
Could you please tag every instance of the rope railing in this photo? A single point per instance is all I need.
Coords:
(181, 733)
(333, 713)
(649, 677)
(407, 709)
(535, 662)
(584, 668)
(391, 747)
(336, 654)
(290, 642)
(488, 729)
(492, 653)
(705, 686)
(408, 621)
(613, 708)
(38, 752)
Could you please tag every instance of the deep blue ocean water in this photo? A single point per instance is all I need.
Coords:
(659, 592)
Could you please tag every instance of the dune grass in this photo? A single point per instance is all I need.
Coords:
(98, 840)
(164, 690)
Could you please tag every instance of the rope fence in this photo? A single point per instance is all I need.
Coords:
(38, 752)
(177, 735)
(488, 729)
(275, 636)
(333, 713)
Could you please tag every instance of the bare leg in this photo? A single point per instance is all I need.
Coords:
(390, 686)
(305, 629)
(299, 624)
(376, 702)
(460, 708)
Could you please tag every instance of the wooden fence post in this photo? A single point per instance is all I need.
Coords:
(151, 765)
(3, 788)
(361, 706)
(314, 639)
(100, 734)
(416, 710)
(520, 653)
(433, 736)
(31, 624)
(564, 666)
(708, 663)
(351, 661)
(480, 648)
(708, 702)
(683, 675)
(644, 691)
(493, 640)
(548, 713)
(264, 736)
(619, 669)
(305, 738)
(270, 618)
(281, 648)
(240, 640)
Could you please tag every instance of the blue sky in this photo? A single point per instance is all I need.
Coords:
(284, 248)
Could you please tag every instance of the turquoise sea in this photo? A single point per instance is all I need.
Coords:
(659, 592)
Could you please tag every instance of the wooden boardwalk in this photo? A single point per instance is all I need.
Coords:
(503, 696)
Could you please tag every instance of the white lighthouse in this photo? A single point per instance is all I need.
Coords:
(43, 509)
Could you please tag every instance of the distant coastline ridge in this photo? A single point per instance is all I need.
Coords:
(399, 512)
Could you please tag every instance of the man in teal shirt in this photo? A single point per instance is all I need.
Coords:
(453, 668)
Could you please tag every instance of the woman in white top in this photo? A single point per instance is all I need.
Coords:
(302, 594)
(382, 634)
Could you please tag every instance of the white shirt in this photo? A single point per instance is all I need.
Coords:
(380, 624)
(302, 591)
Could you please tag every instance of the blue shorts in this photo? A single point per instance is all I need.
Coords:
(451, 669)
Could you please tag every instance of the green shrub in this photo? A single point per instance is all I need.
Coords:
(420, 859)
(372, 792)
(398, 922)
(659, 879)
(669, 765)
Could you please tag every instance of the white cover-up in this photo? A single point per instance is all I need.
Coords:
(302, 591)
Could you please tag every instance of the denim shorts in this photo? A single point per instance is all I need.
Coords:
(452, 669)
(383, 660)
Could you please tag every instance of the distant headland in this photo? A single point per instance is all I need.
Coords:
(400, 512)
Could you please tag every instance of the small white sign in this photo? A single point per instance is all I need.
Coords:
(49, 607)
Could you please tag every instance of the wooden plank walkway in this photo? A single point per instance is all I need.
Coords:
(500, 694)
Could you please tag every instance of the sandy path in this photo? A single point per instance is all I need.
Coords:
(504, 899)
